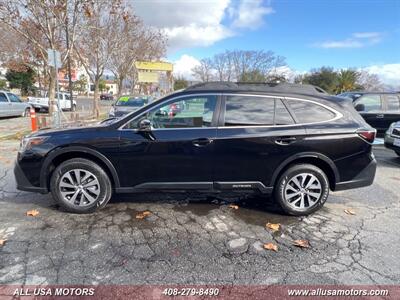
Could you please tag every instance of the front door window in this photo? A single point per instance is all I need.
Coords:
(189, 112)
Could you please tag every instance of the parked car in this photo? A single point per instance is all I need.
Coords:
(127, 104)
(42, 103)
(287, 140)
(392, 138)
(11, 105)
(107, 97)
(379, 109)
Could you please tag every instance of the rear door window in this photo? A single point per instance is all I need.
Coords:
(393, 102)
(249, 111)
(370, 103)
(309, 112)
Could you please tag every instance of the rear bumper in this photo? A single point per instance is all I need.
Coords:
(23, 183)
(364, 178)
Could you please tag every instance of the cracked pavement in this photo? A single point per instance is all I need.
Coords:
(202, 240)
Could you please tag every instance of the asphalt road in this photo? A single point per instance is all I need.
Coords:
(204, 241)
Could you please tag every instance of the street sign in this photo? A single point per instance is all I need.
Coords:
(54, 58)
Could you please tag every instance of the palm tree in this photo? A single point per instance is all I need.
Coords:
(347, 81)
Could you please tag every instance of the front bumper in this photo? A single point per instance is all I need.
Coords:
(364, 178)
(23, 183)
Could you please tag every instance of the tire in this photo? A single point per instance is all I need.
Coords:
(73, 107)
(299, 199)
(74, 197)
(26, 113)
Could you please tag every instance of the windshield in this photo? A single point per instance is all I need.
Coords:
(131, 101)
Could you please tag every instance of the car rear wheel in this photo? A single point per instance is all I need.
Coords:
(80, 186)
(302, 189)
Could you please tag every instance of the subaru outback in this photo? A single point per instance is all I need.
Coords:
(292, 141)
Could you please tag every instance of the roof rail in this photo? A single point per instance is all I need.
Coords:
(257, 87)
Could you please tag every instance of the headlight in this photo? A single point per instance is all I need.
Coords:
(29, 142)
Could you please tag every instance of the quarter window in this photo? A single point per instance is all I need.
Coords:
(249, 111)
(393, 102)
(190, 112)
(370, 102)
(308, 112)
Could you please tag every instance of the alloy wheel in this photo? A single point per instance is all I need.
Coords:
(303, 191)
(80, 187)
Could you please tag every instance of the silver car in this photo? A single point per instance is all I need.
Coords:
(11, 105)
(392, 138)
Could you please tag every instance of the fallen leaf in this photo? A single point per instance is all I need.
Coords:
(271, 246)
(301, 243)
(2, 242)
(273, 226)
(349, 211)
(32, 213)
(233, 206)
(143, 214)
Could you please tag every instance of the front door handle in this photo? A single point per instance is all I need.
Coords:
(202, 142)
(285, 140)
(380, 116)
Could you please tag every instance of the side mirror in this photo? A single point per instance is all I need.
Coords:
(360, 107)
(145, 125)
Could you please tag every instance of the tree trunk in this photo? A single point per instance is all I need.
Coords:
(96, 110)
(51, 93)
(120, 86)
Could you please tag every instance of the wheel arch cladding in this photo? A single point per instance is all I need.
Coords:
(55, 158)
(318, 160)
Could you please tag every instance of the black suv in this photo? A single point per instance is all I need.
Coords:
(379, 109)
(289, 140)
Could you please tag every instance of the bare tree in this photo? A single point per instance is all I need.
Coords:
(223, 65)
(41, 23)
(204, 71)
(136, 42)
(101, 28)
(370, 82)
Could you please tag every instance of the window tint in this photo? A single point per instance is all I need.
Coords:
(13, 98)
(67, 97)
(249, 111)
(370, 102)
(393, 102)
(308, 112)
(190, 112)
(3, 97)
(282, 116)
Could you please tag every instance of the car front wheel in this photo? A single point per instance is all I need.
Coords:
(80, 186)
(302, 189)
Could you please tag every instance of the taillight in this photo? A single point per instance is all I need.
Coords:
(367, 134)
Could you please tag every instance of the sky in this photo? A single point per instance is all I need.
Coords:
(361, 34)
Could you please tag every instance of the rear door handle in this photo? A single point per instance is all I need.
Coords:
(285, 140)
(380, 116)
(202, 142)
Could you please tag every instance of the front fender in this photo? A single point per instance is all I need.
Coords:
(45, 170)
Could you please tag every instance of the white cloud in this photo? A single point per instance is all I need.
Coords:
(250, 14)
(189, 23)
(184, 65)
(388, 73)
(357, 40)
